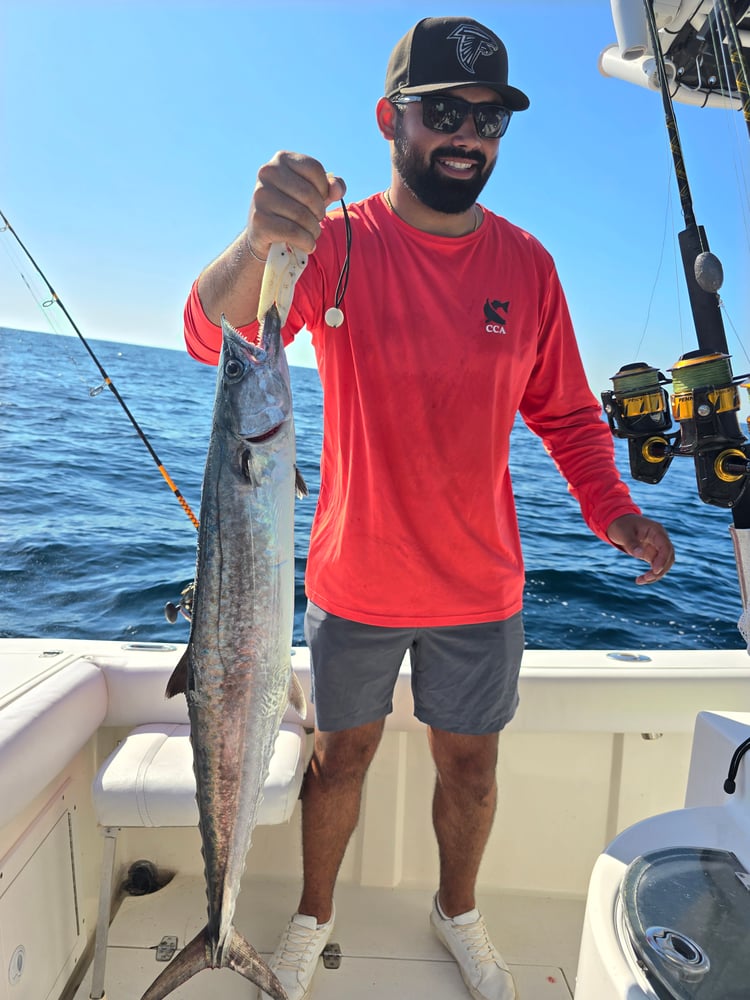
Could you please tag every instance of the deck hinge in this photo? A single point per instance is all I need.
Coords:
(166, 948)
(332, 956)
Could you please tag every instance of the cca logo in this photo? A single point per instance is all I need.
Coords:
(495, 322)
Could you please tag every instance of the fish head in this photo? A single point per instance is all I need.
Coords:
(255, 394)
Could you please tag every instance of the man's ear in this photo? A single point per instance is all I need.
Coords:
(385, 114)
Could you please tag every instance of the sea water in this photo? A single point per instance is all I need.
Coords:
(93, 544)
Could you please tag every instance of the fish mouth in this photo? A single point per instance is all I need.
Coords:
(265, 436)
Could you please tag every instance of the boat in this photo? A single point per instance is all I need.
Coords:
(622, 771)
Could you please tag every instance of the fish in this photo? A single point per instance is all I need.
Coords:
(236, 671)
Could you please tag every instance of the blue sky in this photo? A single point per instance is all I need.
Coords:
(132, 133)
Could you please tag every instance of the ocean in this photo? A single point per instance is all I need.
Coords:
(93, 544)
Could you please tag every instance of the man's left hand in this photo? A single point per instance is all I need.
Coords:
(645, 539)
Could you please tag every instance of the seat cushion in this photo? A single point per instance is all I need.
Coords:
(148, 780)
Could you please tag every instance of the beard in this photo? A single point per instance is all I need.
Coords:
(443, 194)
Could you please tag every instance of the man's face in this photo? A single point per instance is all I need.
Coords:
(446, 171)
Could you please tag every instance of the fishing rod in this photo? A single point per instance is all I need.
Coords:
(107, 380)
(705, 399)
(737, 58)
(702, 286)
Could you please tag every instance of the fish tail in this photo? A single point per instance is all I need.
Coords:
(243, 958)
(196, 956)
(193, 958)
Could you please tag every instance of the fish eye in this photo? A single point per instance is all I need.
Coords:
(233, 369)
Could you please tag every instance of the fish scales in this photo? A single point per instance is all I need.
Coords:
(236, 671)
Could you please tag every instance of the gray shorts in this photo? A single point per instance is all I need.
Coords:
(464, 678)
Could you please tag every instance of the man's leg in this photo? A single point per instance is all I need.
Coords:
(331, 797)
(463, 808)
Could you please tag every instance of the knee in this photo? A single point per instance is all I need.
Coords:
(466, 764)
(465, 780)
(345, 756)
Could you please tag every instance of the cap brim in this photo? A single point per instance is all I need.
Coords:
(511, 98)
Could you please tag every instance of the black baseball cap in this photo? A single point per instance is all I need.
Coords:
(439, 53)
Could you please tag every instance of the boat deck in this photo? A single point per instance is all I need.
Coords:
(575, 770)
(388, 949)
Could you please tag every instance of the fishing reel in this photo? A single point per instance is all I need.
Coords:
(184, 606)
(705, 402)
(637, 409)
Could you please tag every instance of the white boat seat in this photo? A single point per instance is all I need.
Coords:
(148, 781)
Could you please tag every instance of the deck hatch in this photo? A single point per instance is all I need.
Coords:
(37, 954)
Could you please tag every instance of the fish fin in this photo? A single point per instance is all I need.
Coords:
(193, 958)
(297, 696)
(178, 682)
(196, 956)
(243, 958)
(300, 486)
(247, 468)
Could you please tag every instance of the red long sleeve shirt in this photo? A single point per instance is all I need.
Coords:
(444, 341)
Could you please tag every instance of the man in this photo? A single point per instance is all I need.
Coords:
(454, 321)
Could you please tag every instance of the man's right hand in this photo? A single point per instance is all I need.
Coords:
(289, 203)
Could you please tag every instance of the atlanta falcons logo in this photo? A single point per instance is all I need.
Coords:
(471, 43)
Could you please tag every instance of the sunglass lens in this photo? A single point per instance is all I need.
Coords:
(491, 121)
(442, 114)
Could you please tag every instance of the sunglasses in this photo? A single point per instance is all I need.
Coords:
(447, 114)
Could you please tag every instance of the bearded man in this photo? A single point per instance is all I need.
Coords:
(454, 322)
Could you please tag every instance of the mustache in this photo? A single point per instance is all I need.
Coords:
(450, 152)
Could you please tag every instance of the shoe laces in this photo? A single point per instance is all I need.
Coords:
(297, 945)
(476, 940)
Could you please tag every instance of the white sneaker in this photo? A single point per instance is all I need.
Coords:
(296, 957)
(482, 968)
